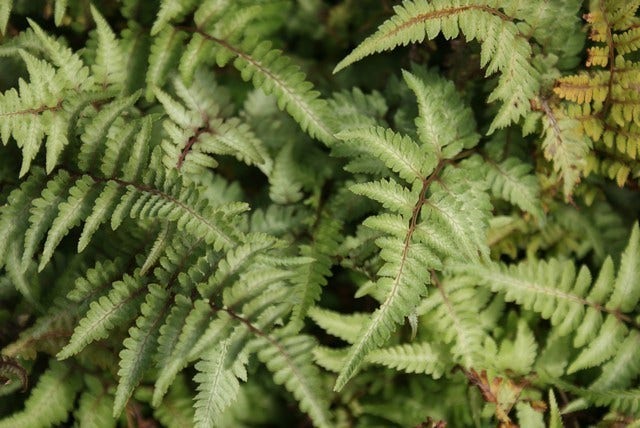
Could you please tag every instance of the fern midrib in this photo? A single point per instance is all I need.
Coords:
(443, 13)
(35, 110)
(554, 292)
(358, 348)
(410, 231)
(195, 138)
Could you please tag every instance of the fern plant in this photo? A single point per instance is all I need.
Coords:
(192, 233)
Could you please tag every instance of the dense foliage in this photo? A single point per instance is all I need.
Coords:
(270, 213)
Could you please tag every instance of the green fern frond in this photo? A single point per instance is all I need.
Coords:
(285, 185)
(518, 355)
(193, 329)
(5, 12)
(626, 294)
(447, 202)
(503, 49)
(73, 71)
(555, 291)
(70, 213)
(566, 147)
(389, 193)
(170, 10)
(196, 130)
(117, 307)
(276, 74)
(399, 153)
(177, 409)
(43, 213)
(164, 56)
(456, 129)
(140, 345)
(511, 180)
(311, 277)
(410, 358)
(346, 327)
(456, 324)
(94, 405)
(290, 361)
(50, 401)
(624, 366)
(218, 387)
(97, 129)
(40, 109)
(109, 68)
(555, 418)
(172, 328)
(625, 401)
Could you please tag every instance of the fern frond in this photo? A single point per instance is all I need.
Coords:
(116, 308)
(454, 322)
(511, 180)
(95, 132)
(405, 287)
(39, 109)
(399, 153)
(555, 291)
(70, 66)
(94, 406)
(566, 146)
(234, 262)
(193, 329)
(50, 401)
(392, 195)
(70, 213)
(218, 387)
(290, 360)
(625, 401)
(330, 359)
(140, 345)
(517, 355)
(619, 372)
(43, 212)
(502, 48)
(311, 277)
(14, 215)
(170, 10)
(447, 202)
(96, 280)
(164, 56)
(177, 409)
(5, 12)
(626, 293)
(346, 327)
(172, 328)
(109, 68)
(456, 127)
(93, 200)
(410, 358)
(583, 88)
(196, 130)
(275, 74)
